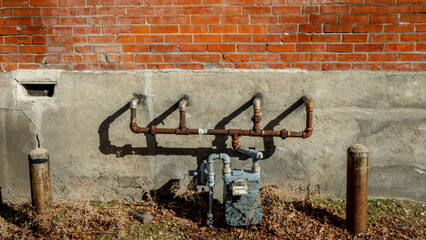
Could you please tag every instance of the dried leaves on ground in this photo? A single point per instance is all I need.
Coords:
(182, 217)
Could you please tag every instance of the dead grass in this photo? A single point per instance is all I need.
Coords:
(286, 215)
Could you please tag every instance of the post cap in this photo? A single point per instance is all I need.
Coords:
(358, 148)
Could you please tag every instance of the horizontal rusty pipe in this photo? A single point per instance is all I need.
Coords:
(234, 133)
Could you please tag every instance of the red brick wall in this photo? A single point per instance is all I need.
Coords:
(201, 34)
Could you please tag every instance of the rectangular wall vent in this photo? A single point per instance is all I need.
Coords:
(39, 89)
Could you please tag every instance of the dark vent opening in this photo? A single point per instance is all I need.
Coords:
(39, 90)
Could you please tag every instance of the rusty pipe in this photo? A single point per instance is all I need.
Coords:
(357, 188)
(309, 113)
(41, 192)
(182, 113)
(256, 115)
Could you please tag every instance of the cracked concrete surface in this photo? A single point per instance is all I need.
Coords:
(94, 156)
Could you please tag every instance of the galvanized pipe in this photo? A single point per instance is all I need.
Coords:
(356, 188)
(41, 193)
(235, 133)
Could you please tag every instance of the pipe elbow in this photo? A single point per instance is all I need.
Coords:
(212, 157)
(182, 105)
(256, 103)
(134, 128)
(134, 103)
(225, 158)
(307, 133)
(308, 104)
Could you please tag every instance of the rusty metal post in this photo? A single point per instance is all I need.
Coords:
(41, 193)
(356, 188)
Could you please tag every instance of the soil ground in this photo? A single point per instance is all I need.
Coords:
(182, 217)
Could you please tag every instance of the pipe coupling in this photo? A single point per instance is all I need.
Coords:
(134, 103)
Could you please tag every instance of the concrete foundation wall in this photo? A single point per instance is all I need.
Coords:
(95, 156)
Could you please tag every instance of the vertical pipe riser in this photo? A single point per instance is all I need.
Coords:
(357, 189)
(41, 193)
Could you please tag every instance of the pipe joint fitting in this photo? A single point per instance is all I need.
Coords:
(256, 103)
(134, 103)
(182, 105)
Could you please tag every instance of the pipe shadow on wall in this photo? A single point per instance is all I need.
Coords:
(218, 144)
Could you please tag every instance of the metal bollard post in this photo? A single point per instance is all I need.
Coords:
(41, 193)
(356, 188)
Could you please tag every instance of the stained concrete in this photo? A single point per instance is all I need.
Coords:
(95, 156)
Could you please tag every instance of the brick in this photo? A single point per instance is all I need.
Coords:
(118, 29)
(165, 29)
(16, 3)
(71, 3)
(326, 38)
(149, 58)
(384, 38)
(418, 8)
(158, 2)
(335, 66)
(248, 65)
(263, 19)
(321, 1)
(187, 2)
(323, 19)
(131, 66)
(17, 40)
(317, 57)
(17, 58)
(257, 9)
(104, 20)
(419, 57)
(27, 11)
(399, 47)
(84, 48)
(294, 57)
(208, 38)
(420, 27)
(168, 10)
(59, 48)
(294, 18)
(335, 9)
(113, 57)
(348, 1)
(153, 20)
(353, 19)
(87, 30)
(338, 28)
(396, 66)
(285, 38)
(9, 67)
(310, 9)
(149, 38)
(112, 11)
(399, 28)
(339, 47)
(310, 28)
(311, 47)
(227, 9)
(380, 1)
(286, 9)
(59, 30)
(38, 39)
(307, 66)
(355, 38)
(192, 47)
(383, 19)
(189, 66)
(363, 9)
(74, 20)
(277, 65)
(178, 38)
(265, 57)
(368, 28)
(206, 57)
(240, 19)
(198, 10)
(107, 48)
(92, 57)
(90, 66)
(55, 12)
(193, 29)
(367, 66)
(222, 28)
(101, 39)
(397, 9)
(412, 1)
(160, 66)
(221, 47)
(71, 58)
(136, 48)
(164, 48)
(418, 66)
(281, 47)
(126, 38)
(297, 2)
(244, 2)
(352, 57)
(45, 21)
(32, 49)
(413, 18)
(17, 21)
(129, 2)
(204, 19)
(28, 66)
(251, 28)
(251, 47)
(131, 20)
(213, 2)
(413, 37)
(80, 11)
(369, 47)
(283, 28)
(236, 57)
(304, 38)
(175, 19)
(382, 57)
